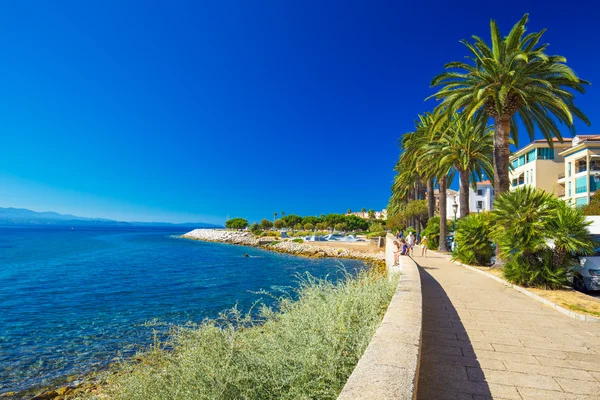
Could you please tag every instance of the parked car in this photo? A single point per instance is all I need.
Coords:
(586, 275)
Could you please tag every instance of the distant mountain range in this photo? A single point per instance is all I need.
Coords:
(22, 216)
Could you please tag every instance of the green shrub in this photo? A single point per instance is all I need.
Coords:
(304, 349)
(376, 234)
(536, 270)
(376, 227)
(274, 242)
(272, 234)
(538, 235)
(298, 240)
(255, 228)
(432, 231)
(473, 243)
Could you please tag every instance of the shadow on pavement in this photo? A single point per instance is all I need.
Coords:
(447, 358)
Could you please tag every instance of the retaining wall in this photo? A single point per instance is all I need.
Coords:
(389, 368)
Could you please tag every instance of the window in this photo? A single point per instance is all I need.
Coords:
(514, 182)
(480, 205)
(545, 154)
(515, 163)
(522, 160)
(594, 183)
(526, 176)
(521, 179)
(479, 192)
(581, 185)
(569, 188)
(531, 177)
(582, 201)
(569, 169)
(531, 156)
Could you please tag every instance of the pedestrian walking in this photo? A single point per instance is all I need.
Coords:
(410, 242)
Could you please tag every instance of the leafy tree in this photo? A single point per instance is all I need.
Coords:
(298, 226)
(432, 231)
(236, 223)
(308, 227)
(274, 216)
(332, 219)
(376, 227)
(514, 77)
(254, 228)
(593, 208)
(348, 211)
(363, 210)
(311, 220)
(321, 226)
(266, 224)
(341, 226)
(279, 224)
(355, 223)
(416, 209)
(292, 220)
(396, 222)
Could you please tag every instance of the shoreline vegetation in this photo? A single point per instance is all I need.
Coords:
(303, 348)
(344, 304)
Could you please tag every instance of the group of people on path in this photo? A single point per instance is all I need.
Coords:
(405, 247)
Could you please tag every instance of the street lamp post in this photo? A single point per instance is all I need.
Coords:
(455, 209)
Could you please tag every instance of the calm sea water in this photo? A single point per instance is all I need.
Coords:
(72, 301)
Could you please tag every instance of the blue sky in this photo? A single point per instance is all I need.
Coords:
(188, 111)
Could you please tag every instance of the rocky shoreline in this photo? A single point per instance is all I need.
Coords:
(284, 246)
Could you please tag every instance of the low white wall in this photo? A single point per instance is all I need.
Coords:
(389, 368)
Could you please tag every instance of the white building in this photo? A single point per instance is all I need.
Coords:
(483, 198)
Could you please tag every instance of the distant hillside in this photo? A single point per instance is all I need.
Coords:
(22, 216)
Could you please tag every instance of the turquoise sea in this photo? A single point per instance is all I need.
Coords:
(72, 301)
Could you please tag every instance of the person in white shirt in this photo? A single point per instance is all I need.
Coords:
(410, 241)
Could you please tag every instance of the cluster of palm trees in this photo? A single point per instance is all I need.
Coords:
(512, 80)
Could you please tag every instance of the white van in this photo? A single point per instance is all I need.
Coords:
(586, 275)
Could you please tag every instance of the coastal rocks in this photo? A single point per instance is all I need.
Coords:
(286, 246)
(223, 236)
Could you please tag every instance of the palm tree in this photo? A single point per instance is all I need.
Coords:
(349, 211)
(514, 77)
(274, 216)
(282, 214)
(467, 144)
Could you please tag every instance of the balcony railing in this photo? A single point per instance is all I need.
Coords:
(581, 168)
(561, 175)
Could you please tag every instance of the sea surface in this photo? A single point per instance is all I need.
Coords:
(73, 301)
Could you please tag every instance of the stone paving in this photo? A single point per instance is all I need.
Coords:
(482, 340)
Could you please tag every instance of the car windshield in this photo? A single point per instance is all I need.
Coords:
(596, 238)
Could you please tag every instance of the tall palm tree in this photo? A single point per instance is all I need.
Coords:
(467, 145)
(274, 216)
(282, 214)
(514, 77)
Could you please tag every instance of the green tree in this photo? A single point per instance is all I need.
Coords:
(279, 224)
(292, 220)
(282, 214)
(376, 227)
(363, 210)
(371, 214)
(467, 145)
(254, 228)
(265, 224)
(340, 227)
(355, 223)
(396, 222)
(311, 220)
(514, 77)
(593, 208)
(473, 240)
(274, 216)
(321, 226)
(308, 227)
(417, 210)
(348, 211)
(236, 223)
(298, 226)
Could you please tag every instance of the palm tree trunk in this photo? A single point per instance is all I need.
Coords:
(443, 246)
(501, 154)
(430, 199)
(463, 197)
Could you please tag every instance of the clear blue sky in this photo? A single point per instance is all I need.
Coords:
(187, 111)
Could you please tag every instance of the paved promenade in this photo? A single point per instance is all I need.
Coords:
(482, 340)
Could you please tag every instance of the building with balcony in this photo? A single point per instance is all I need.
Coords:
(580, 176)
(539, 165)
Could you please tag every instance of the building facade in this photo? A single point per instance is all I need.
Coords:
(580, 176)
(539, 165)
(481, 199)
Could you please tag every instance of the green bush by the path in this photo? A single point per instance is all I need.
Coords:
(306, 349)
(432, 232)
(473, 243)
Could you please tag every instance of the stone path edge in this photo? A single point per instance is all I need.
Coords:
(560, 309)
(389, 367)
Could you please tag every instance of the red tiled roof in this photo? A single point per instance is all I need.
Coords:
(486, 182)
(589, 137)
(555, 140)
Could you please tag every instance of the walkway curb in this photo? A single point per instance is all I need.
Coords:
(560, 309)
(389, 367)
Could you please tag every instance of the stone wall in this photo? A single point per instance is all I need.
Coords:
(389, 367)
